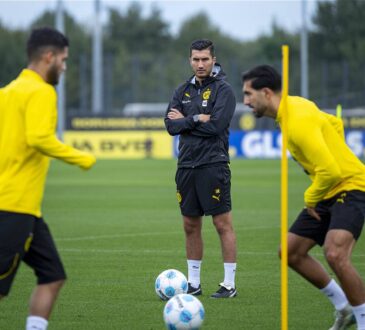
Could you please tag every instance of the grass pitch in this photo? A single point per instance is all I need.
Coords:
(118, 226)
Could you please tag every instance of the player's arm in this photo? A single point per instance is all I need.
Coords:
(40, 125)
(327, 173)
(175, 122)
(221, 115)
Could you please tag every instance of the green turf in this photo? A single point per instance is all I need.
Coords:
(118, 226)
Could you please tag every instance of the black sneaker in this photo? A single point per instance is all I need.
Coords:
(225, 292)
(194, 291)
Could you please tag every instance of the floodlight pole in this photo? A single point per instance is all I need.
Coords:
(60, 26)
(304, 52)
(97, 73)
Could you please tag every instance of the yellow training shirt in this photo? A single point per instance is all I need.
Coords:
(316, 141)
(28, 116)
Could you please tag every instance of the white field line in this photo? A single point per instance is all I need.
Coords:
(155, 251)
(117, 251)
(96, 237)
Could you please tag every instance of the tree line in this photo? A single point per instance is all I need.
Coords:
(143, 61)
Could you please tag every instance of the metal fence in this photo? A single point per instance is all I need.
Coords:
(141, 80)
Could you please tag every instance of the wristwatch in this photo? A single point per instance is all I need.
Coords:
(196, 118)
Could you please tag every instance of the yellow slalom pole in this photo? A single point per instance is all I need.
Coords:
(284, 190)
(339, 111)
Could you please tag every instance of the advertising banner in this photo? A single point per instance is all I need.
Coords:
(261, 144)
(122, 144)
(267, 144)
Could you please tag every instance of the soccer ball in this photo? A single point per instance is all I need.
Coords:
(170, 283)
(183, 311)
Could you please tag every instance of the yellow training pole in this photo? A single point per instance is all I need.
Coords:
(284, 191)
(339, 111)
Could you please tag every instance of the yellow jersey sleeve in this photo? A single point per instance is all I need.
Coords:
(28, 117)
(316, 141)
(40, 126)
(324, 171)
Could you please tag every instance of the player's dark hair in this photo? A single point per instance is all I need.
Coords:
(202, 44)
(45, 39)
(263, 76)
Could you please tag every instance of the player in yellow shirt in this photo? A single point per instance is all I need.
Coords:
(28, 116)
(335, 201)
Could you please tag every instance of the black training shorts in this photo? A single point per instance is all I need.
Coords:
(204, 190)
(345, 210)
(26, 237)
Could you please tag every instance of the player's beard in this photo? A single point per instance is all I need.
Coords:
(258, 113)
(53, 75)
(260, 109)
(205, 73)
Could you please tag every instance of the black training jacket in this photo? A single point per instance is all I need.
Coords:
(203, 144)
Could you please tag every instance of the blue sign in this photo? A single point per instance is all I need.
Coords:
(267, 143)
